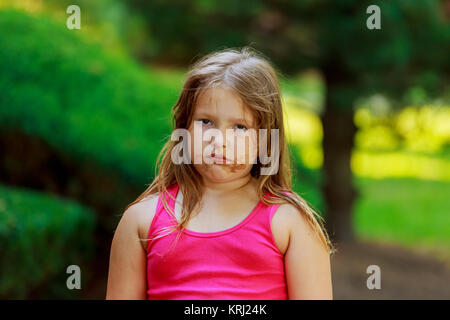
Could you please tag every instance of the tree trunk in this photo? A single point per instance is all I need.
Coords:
(339, 131)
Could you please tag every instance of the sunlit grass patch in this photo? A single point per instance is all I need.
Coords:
(411, 212)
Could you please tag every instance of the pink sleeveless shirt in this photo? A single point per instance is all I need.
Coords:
(239, 263)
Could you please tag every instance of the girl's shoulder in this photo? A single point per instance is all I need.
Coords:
(280, 225)
(285, 218)
(288, 214)
(141, 214)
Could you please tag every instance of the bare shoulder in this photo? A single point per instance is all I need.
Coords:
(286, 221)
(141, 215)
(293, 217)
(307, 264)
(280, 225)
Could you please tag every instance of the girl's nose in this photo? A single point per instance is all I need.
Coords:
(219, 139)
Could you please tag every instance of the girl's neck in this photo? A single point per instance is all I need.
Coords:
(226, 187)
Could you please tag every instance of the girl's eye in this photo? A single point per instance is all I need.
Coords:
(240, 127)
(205, 121)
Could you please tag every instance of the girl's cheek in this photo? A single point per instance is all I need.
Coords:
(247, 149)
(253, 150)
(196, 147)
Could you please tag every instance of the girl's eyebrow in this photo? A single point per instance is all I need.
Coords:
(240, 120)
(203, 114)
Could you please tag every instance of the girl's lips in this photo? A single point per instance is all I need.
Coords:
(219, 158)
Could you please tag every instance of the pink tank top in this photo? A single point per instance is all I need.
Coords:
(239, 263)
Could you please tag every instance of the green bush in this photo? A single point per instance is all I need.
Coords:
(40, 236)
(111, 22)
(59, 86)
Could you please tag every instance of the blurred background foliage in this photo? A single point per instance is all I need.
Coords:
(40, 236)
(84, 113)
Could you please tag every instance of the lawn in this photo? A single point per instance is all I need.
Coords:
(409, 212)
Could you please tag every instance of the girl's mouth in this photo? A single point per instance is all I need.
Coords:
(219, 158)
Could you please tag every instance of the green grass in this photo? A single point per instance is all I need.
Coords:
(410, 212)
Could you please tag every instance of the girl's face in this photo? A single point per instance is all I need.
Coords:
(226, 147)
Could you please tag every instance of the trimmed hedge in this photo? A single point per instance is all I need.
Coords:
(59, 86)
(40, 236)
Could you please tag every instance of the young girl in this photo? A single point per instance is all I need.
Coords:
(222, 229)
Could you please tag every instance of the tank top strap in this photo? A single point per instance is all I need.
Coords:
(171, 196)
(161, 220)
(272, 209)
(269, 210)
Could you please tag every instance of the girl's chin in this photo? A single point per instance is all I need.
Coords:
(220, 173)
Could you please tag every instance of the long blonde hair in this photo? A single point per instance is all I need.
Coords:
(249, 74)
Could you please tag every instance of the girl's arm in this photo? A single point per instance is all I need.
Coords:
(127, 265)
(307, 263)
